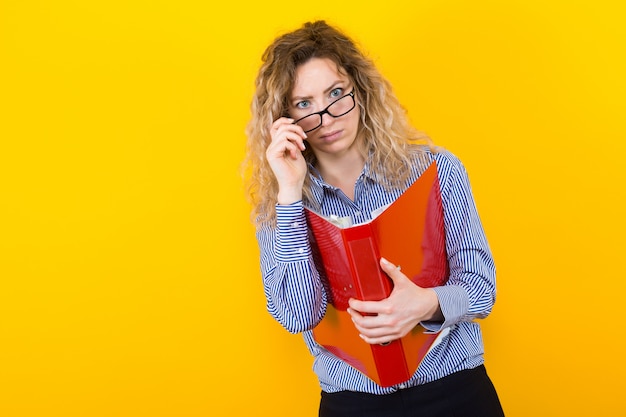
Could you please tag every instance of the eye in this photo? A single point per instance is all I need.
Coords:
(336, 93)
(305, 104)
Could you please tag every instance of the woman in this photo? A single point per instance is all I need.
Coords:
(328, 133)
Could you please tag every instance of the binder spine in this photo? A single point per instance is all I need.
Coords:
(372, 284)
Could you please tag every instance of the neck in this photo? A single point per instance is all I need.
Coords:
(341, 171)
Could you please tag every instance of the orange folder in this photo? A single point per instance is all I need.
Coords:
(409, 233)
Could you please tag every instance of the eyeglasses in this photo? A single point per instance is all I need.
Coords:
(337, 108)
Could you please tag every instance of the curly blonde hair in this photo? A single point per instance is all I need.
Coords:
(383, 125)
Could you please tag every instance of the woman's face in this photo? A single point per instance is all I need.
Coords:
(319, 84)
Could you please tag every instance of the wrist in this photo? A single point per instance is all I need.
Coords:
(434, 312)
(288, 197)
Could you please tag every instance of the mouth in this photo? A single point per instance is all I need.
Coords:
(331, 135)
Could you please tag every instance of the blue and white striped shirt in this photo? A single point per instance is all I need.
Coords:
(296, 297)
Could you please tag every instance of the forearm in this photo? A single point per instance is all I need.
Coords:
(463, 298)
(470, 290)
(294, 292)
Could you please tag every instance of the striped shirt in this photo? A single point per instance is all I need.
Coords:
(297, 300)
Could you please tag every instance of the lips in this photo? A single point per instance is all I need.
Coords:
(335, 134)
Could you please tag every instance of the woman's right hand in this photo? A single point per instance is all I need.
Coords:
(284, 155)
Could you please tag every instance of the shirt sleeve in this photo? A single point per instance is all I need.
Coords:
(470, 291)
(293, 289)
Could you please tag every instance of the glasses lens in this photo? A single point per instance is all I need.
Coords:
(337, 109)
(310, 122)
(341, 106)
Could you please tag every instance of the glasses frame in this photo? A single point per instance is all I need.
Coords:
(325, 111)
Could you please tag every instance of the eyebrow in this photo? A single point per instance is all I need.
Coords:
(332, 87)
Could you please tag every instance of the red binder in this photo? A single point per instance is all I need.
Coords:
(410, 233)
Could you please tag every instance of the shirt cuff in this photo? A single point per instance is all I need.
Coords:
(292, 239)
(454, 304)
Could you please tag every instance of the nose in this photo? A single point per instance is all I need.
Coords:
(327, 119)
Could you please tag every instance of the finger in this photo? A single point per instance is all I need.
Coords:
(280, 122)
(376, 334)
(360, 321)
(290, 134)
(378, 340)
(369, 307)
(393, 271)
(284, 124)
(280, 149)
(367, 321)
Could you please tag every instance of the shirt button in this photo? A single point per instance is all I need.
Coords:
(295, 224)
(402, 386)
(301, 250)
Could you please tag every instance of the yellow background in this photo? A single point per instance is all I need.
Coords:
(129, 282)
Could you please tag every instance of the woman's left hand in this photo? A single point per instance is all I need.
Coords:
(392, 318)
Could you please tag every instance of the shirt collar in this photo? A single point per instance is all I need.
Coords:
(318, 185)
